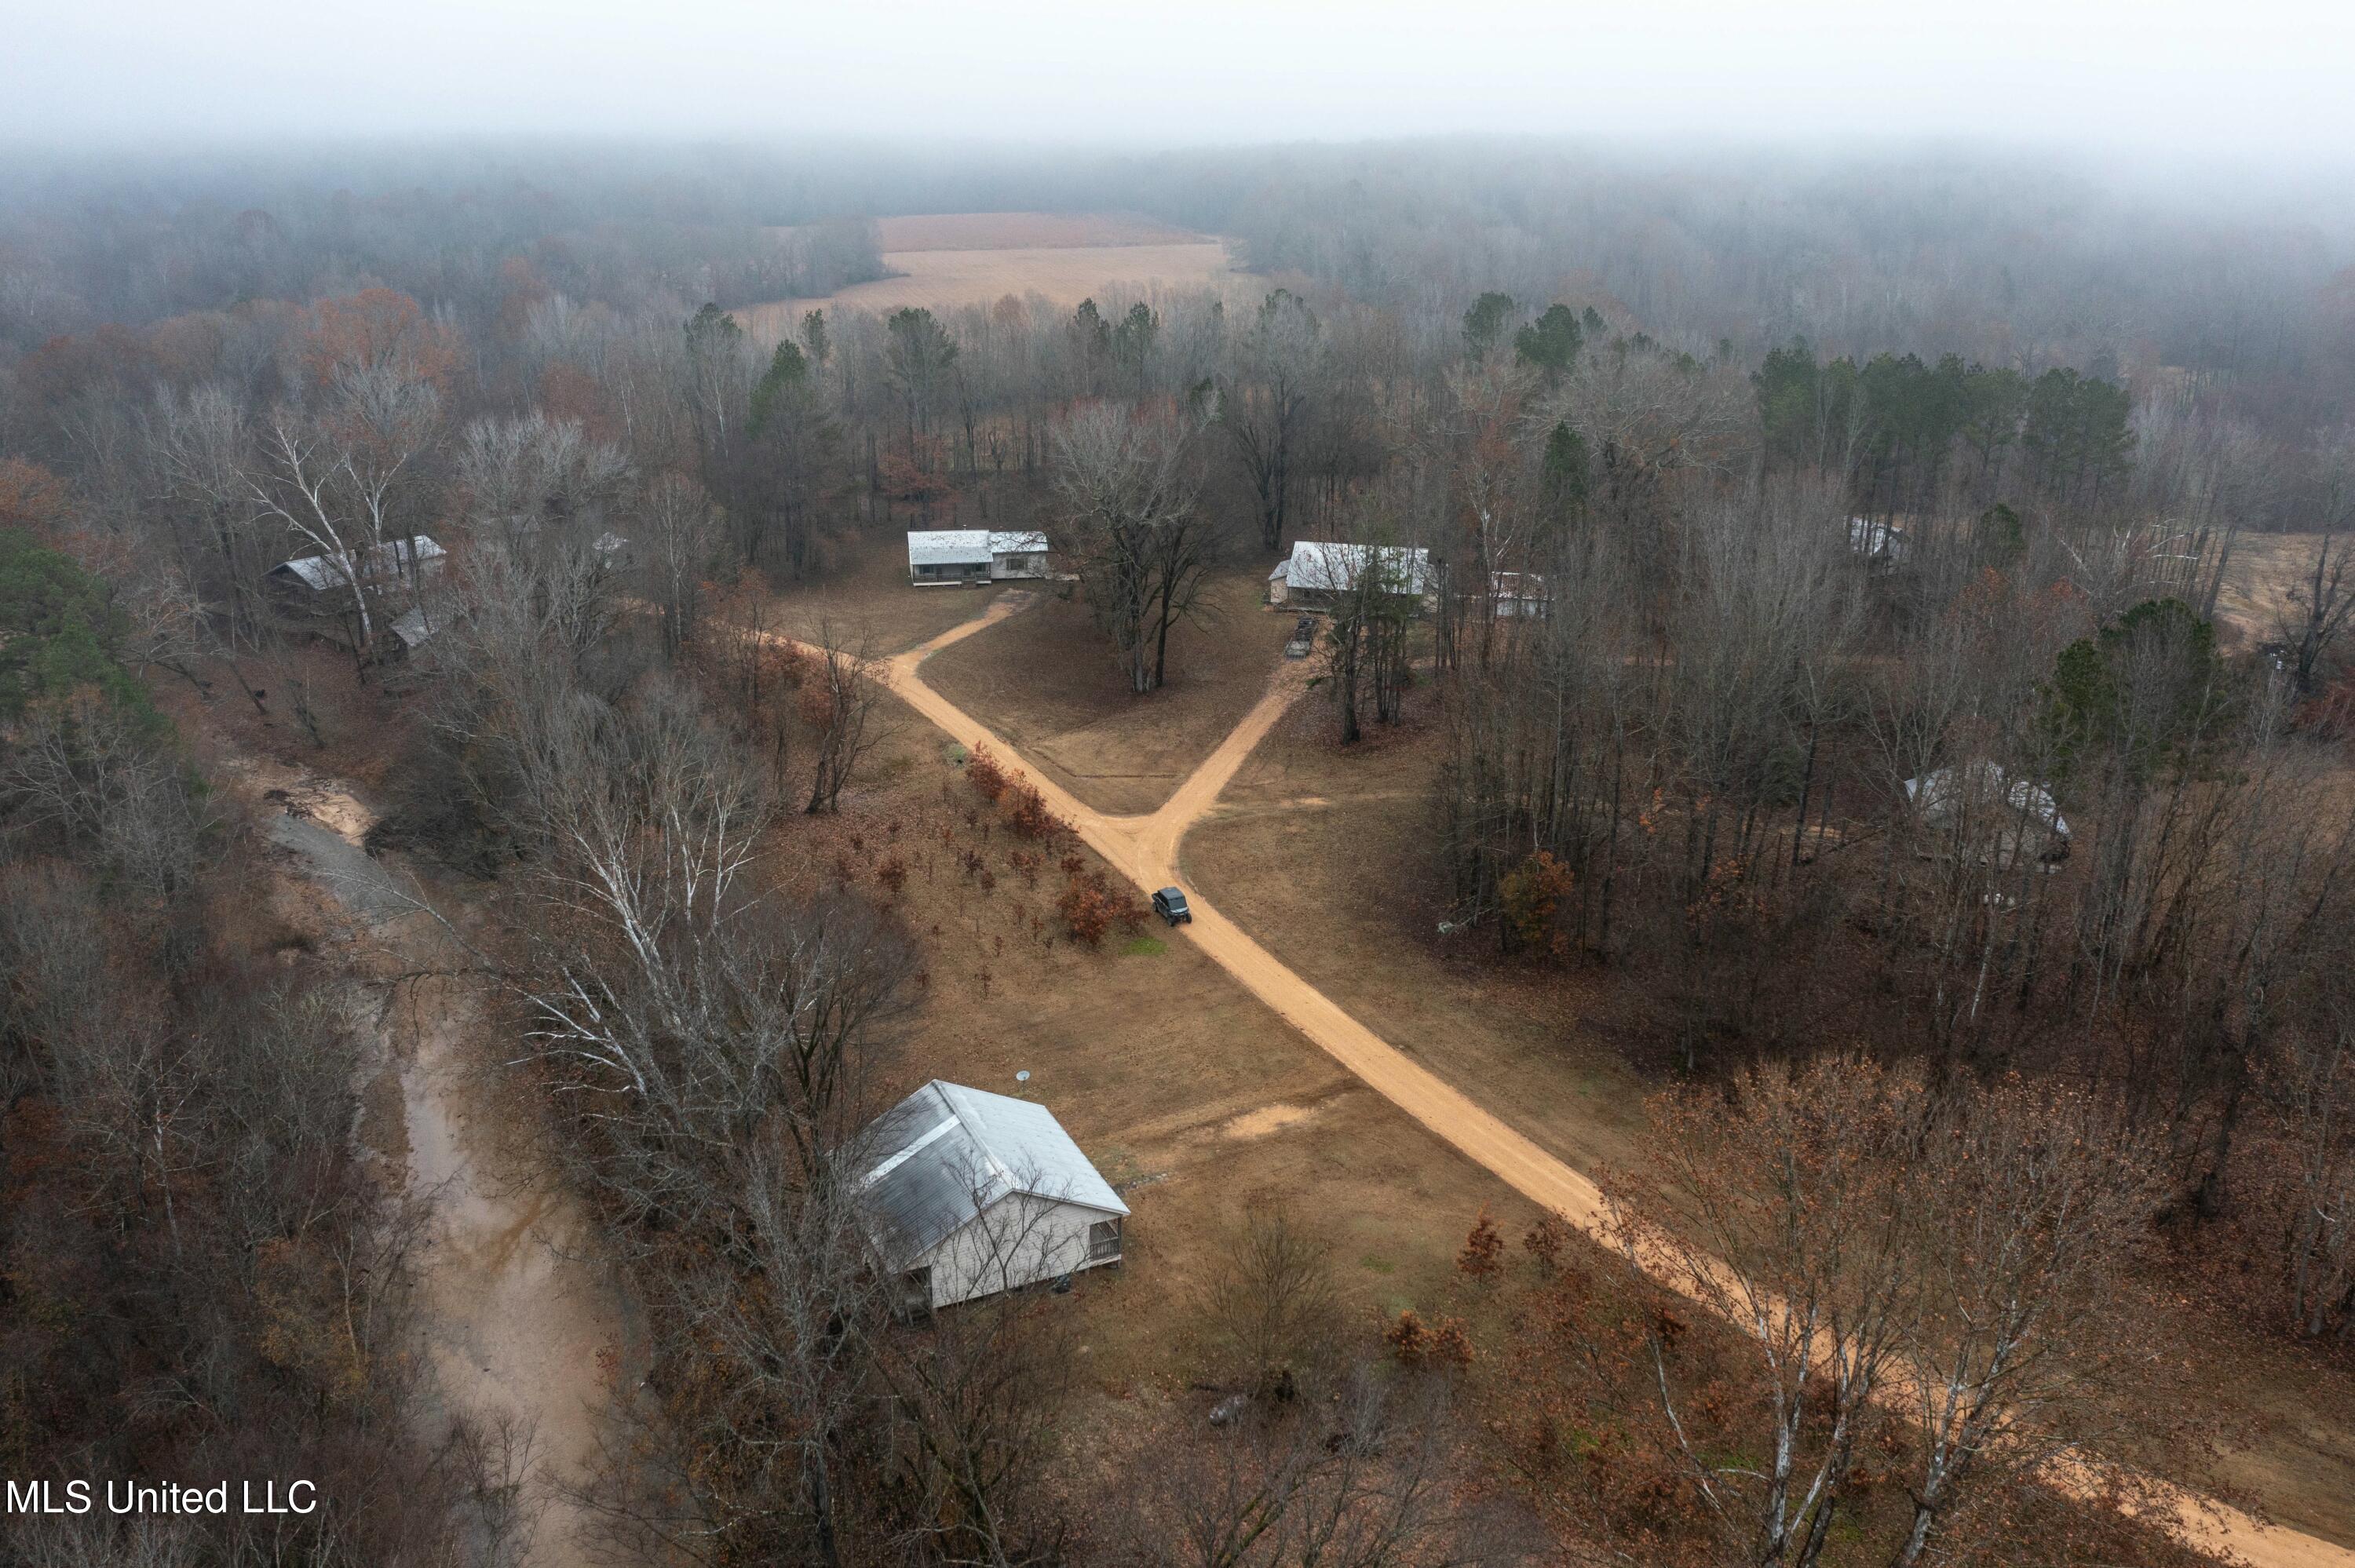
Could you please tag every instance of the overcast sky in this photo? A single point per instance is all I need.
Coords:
(2223, 79)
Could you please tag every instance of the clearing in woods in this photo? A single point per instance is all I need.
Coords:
(2264, 571)
(1220, 1047)
(949, 260)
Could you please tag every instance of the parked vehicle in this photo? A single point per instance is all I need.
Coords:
(1171, 904)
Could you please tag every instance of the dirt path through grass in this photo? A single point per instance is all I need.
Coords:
(1145, 849)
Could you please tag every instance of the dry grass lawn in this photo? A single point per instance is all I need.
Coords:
(1192, 1096)
(1046, 682)
(863, 591)
(1325, 856)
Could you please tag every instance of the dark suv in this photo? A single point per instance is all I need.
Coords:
(1171, 904)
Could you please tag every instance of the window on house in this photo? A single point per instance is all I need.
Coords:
(1103, 1241)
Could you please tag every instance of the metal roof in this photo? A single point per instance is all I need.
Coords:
(946, 1153)
(970, 546)
(1943, 794)
(325, 571)
(1323, 567)
(414, 628)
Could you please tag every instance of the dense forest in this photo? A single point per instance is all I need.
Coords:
(1823, 643)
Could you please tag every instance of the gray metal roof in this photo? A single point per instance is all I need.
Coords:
(413, 628)
(325, 571)
(946, 1153)
(970, 546)
(1323, 567)
(1943, 794)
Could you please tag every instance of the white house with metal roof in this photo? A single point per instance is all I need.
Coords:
(968, 1194)
(974, 556)
(1319, 572)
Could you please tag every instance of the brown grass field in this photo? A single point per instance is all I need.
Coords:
(1046, 681)
(1194, 1099)
(2258, 580)
(947, 260)
(1172, 1076)
(864, 593)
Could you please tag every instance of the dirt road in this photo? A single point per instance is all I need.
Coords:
(1144, 849)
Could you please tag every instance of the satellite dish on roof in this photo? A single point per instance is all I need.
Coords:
(1023, 1076)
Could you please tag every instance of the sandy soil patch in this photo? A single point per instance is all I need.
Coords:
(1265, 1120)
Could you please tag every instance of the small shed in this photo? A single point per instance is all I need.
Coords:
(1518, 596)
(411, 632)
(974, 556)
(1319, 572)
(969, 1193)
(1981, 804)
(1883, 543)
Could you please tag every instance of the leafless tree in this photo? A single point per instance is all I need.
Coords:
(1364, 1475)
(841, 701)
(1266, 402)
(1273, 1303)
(1782, 1216)
(1133, 532)
(2021, 1362)
(675, 535)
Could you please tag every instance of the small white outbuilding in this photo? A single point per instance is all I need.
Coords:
(969, 1193)
(1880, 543)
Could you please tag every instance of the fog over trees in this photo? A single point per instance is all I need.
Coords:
(1828, 656)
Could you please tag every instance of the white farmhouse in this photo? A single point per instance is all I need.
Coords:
(974, 556)
(1319, 573)
(971, 1194)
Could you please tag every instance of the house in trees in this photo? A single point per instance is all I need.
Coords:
(1318, 574)
(967, 1194)
(1518, 596)
(323, 595)
(1976, 809)
(974, 556)
(1880, 543)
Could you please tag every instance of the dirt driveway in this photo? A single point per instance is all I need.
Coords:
(1145, 849)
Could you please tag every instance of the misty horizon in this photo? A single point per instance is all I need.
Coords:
(2104, 79)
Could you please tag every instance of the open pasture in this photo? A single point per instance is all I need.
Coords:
(946, 260)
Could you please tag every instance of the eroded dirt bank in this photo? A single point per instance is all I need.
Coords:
(524, 1332)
